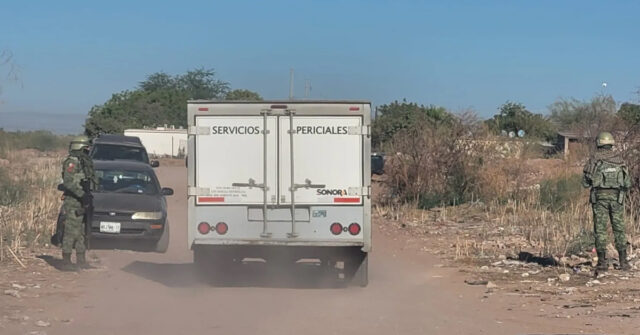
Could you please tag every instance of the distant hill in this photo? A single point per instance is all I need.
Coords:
(57, 123)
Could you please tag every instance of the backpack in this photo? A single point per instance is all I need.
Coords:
(610, 175)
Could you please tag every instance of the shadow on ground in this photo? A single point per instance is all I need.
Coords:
(139, 246)
(168, 274)
(52, 261)
(247, 274)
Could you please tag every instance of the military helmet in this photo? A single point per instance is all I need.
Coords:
(79, 143)
(604, 138)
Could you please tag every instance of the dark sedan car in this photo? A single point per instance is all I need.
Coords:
(129, 207)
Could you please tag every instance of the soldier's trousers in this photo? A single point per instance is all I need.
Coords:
(73, 226)
(603, 211)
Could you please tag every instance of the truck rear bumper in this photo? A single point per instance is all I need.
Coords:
(271, 252)
(279, 243)
(276, 242)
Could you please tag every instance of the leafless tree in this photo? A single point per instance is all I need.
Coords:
(432, 157)
(9, 70)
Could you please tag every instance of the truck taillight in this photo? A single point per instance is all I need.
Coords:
(222, 228)
(354, 229)
(204, 228)
(354, 108)
(336, 228)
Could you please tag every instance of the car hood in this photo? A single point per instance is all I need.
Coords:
(125, 202)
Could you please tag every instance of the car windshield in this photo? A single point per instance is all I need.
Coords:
(119, 152)
(122, 181)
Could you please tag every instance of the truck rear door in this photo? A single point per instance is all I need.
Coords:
(327, 160)
(230, 150)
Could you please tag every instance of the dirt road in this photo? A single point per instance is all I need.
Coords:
(409, 293)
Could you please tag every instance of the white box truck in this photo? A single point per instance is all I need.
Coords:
(280, 180)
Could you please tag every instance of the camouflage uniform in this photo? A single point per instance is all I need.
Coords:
(74, 173)
(608, 177)
(77, 169)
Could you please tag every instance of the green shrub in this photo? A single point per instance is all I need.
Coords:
(457, 191)
(41, 140)
(558, 193)
(432, 200)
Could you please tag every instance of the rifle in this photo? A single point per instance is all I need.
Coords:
(87, 204)
(56, 238)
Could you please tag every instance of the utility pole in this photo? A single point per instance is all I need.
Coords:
(291, 84)
(307, 89)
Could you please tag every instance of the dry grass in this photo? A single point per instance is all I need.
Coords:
(523, 204)
(541, 230)
(28, 219)
(479, 231)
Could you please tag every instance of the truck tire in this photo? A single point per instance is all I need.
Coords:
(163, 243)
(212, 268)
(202, 264)
(356, 268)
(361, 277)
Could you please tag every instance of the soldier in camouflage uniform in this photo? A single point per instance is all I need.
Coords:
(78, 178)
(608, 177)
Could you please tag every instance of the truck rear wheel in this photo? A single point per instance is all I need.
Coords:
(356, 268)
(204, 266)
(213, 267)
(361, 277)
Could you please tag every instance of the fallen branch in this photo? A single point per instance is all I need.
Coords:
(16, 258)
(578, 306)
(476, 282)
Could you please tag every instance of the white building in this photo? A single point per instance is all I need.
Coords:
(162, 141)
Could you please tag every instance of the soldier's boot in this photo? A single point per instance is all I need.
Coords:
(82, 261)
(602, 262)
(624, 263)
(66, 265)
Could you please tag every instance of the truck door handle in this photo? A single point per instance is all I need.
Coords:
(250, 184)
(307, 184)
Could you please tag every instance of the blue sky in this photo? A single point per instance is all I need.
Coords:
(462, 54)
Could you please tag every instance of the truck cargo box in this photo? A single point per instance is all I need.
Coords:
(281, 174)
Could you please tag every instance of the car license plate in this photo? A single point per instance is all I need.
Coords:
(110, 227)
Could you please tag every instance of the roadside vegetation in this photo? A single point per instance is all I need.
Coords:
(41, 140)
(29, 201)
(505, 195)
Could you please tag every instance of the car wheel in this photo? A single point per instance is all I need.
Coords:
(163, 244)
